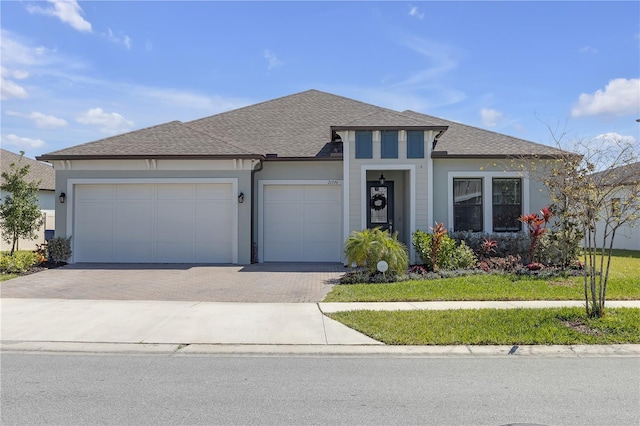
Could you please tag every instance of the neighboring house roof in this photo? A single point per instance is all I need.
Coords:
(461, 140)
(37, 171)
(294, 126)
(624, 175)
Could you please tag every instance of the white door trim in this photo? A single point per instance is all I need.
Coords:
(412, 196)
(261, 185)
(124, 181)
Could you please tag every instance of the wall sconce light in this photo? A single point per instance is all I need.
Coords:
(381, 178)
(62, 197)
(241, 197)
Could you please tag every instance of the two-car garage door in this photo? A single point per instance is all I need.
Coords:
(155, 223)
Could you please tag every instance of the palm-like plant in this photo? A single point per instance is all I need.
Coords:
(367, 247)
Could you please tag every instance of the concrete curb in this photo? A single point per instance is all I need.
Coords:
(323, 350)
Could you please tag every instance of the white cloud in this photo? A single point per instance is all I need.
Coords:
(119, 39)
(16, 74)
(9, 90)
(68, 11)
(21, 142)
(490, 117)
(106, 122)
(613, 138)
(620, 97)
(47, 121)
(272, 60)
(413, 11)
(42, 120)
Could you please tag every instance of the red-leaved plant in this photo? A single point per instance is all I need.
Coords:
(537, 226)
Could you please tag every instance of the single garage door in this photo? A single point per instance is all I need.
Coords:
(154, 223)
(302, 223)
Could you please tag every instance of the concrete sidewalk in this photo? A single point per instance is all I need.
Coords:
(221, 327)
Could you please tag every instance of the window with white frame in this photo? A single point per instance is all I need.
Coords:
(467, 204)
(506, 204)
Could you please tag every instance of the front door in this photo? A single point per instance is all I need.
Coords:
(380, 205)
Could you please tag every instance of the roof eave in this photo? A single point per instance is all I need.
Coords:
(54, 157)
(445, 154)
(440, 128)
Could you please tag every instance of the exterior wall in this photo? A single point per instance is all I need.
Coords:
(318, 172)
(48, 222)
(534, 193)
(627, 236)
(46, 202)
(413, 207)
(86, 171)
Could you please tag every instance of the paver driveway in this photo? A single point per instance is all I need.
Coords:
(266, 282)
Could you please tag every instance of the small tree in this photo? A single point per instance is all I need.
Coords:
(595, 187)
(20, 215)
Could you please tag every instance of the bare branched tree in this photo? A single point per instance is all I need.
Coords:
(595, 185)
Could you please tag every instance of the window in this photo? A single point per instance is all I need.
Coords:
(467, 204)
(415, 144)
(364, 144)
(507, 204)
(389, 144)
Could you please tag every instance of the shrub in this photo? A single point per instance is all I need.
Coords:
(59, 249)
(367, 247)
(443, 249)
(559, 247)
(355, 277)
(18, 263)
(506, 243)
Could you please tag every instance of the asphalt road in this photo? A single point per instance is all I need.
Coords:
(68, 389)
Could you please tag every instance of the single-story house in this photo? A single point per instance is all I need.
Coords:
(286, 180)
(628, 179)
(38, 172)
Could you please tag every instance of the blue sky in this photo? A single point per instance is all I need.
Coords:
(74, 72)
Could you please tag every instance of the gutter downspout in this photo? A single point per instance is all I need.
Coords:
(254, 250)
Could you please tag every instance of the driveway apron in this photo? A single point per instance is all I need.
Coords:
(257, 283)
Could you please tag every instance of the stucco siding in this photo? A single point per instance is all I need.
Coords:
(534, 192)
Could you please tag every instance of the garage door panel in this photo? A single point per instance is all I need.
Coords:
(95, 192)
(302, 223)
(219, 251)
(94, 212)
(167, 223)
(320, 232)
(213, 192)
(320, 212)
(284, 212)
(141, 232)
(134, 192)
(141, 252)
(134, 212)
(175, 192)
(279, 194)
(174, 212)
(213, 213)
(94, 251)
(319, 194)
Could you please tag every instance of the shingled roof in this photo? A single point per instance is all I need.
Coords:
(462, 141)
(173, 139)
(294, 126)
(37, 171)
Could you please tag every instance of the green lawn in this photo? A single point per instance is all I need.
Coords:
(5, 277)
(624, 284)
(564, 326)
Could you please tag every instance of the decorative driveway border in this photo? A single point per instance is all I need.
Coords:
(257, 283)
